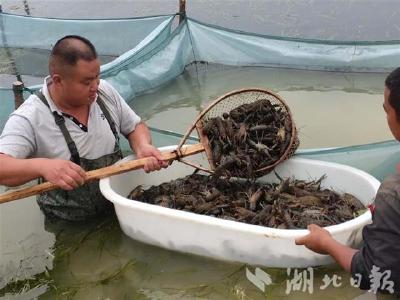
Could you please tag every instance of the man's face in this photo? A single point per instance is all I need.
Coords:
(79, 85)
(392, 120)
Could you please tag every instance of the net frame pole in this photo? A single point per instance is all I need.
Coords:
(18, 89)
(182, 11)
(26, 7)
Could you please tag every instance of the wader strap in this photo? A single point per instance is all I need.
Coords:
(106, 113)
(60, 121)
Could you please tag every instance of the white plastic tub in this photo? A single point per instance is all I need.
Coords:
(228, 240)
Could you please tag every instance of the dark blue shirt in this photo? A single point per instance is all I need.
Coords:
(380, 254)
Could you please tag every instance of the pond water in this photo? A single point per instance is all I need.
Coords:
(330, 109)
(95, 260)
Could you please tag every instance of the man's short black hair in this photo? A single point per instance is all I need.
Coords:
(68, 50)
(392, 82)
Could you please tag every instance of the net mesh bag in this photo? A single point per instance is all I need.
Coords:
(246, 133)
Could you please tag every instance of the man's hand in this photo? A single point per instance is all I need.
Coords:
(320, 240)
(154, 161)
(317, 240)
(63, 173)
(140, 142)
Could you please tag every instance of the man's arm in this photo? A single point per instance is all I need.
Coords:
(320, 240)
(63, 173)
(15, 172)
(140, 142)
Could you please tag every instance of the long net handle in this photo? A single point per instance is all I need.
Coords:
(100, 173)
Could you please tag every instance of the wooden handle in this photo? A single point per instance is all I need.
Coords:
(100, 173)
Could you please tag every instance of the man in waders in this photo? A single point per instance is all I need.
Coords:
(70, 126)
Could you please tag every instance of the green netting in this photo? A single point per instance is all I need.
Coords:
(219, 45)
(160, 59)
(111, 37)
(163, 53)
(378, 159)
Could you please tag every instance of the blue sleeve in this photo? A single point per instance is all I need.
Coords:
(381, 238)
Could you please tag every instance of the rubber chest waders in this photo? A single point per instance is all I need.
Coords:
(87, 200)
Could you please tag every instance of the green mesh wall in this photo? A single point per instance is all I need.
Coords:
(219, 45)
(161, 57)
(111, 37)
